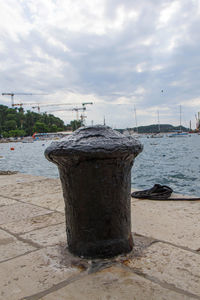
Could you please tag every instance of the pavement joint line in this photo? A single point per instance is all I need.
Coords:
(168, 243)
(48, 213)
(19, 238)
(180, 247)
(20, 255)
(24, 202)
(20, 233)
(56, 287)
(165, 285)
(3, 196)
(50, 225)
(7, 204)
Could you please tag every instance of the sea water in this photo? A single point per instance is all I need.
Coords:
(168, 161)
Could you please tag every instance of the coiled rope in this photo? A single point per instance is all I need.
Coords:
(159, 192)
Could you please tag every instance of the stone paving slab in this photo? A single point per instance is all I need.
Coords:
(19, 211)
(113, 283)
(33, 273)
(47, 236)
(33, 223)
(173, 221)
(5, 201)
(171, 265)
(23, 191)
(6, 180)
(11, 247)
(53, 201)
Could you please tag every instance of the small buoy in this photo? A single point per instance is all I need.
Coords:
(12, 148)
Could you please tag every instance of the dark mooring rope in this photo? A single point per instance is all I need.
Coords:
(158, 192)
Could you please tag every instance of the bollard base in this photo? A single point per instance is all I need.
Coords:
(102, 249)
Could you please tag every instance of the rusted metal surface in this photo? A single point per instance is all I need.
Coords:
(94, 165)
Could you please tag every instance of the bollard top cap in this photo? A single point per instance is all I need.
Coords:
(94, 141)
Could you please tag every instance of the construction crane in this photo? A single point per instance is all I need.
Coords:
(59, 104)
(22, 104)
(76, 109)
(37, 106)
(12, 96)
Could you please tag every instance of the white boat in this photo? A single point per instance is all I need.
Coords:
(156, 135)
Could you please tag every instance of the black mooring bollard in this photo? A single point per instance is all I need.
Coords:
(95, 170)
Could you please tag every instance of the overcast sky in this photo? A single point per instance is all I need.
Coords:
(117, 54)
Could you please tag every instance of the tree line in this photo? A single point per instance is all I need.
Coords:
(15, 122)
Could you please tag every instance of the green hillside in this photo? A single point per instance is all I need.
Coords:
(163, 128)
(14, 122)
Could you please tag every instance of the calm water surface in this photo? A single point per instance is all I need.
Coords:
(170, 161)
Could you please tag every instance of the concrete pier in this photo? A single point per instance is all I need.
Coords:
(35, 262)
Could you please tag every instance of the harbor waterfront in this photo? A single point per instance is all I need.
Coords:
(163, 263)
(167, 161)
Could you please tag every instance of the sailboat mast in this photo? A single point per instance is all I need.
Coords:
(180, 118)
(135, 119)
(158, 122)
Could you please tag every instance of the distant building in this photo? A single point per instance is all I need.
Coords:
(49, 135)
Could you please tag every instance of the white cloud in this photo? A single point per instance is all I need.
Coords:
(111, 51)
(13, 23)
(157, 67)
(141, 67)
(78, 16)
(195, 102)
(168, 12)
